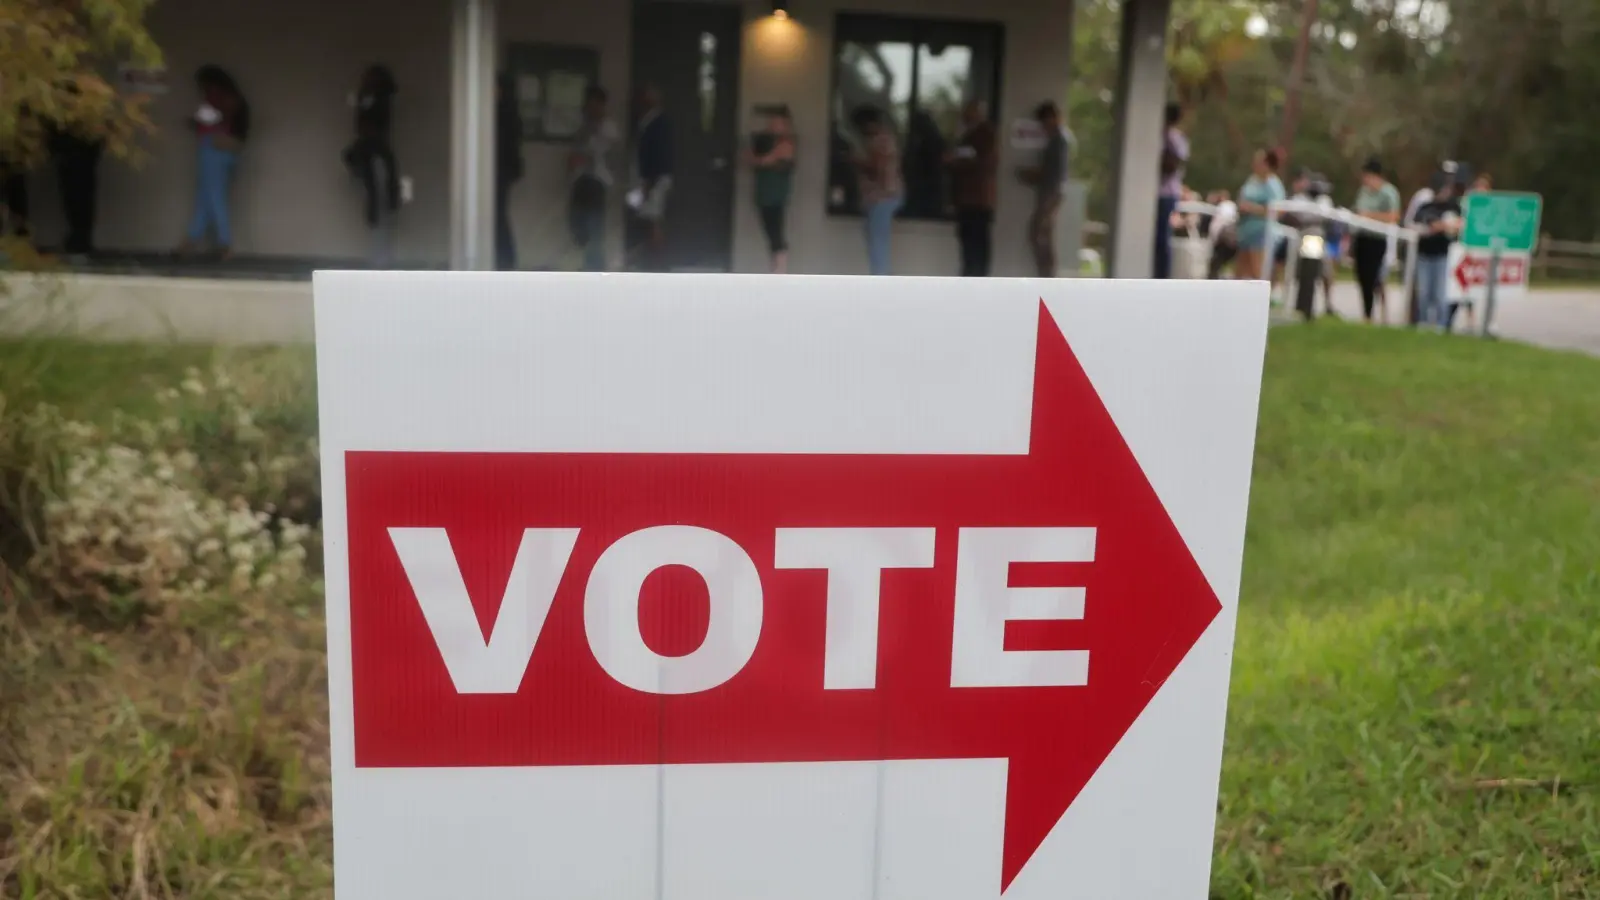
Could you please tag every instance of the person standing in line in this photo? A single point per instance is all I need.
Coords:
(1260, 191)
(772, 158)
(507, 167)
(1048, 180)
(974, 166)
(371, 159)
(14, 203)
(1438, 222)
(882, 189)
(222, 124)
(1174, 156)
(1222, 231)
(77, 160)
(589, 167)
(15, 213)
(653, 165)
(1378, 200)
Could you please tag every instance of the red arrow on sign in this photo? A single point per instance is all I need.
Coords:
(1472, 271)
(1053, 600)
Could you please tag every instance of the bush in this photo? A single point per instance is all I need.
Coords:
(163, 693)
(216, 496)
(133, 530)
(256, 424)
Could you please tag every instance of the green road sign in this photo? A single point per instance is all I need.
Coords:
(1499, 217)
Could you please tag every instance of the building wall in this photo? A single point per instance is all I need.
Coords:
(292, 196)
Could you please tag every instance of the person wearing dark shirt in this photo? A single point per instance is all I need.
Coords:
(772, 157)
(77, 161)
(973, 165)
(922, 167)
(371, 158)
(1438, 222)
(1048, 179)
(508, 166)
(14, 201)
(653, 164)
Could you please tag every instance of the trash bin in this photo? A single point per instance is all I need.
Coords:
(1191, 257)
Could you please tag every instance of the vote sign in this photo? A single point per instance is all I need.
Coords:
(709, 586)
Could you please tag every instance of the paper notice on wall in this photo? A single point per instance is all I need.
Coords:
(135, 80)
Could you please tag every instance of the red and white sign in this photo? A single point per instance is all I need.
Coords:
(1469, 275)
(723, 586)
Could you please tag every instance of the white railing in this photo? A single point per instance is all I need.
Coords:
(1354, 222)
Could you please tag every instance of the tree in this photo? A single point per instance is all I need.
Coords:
(55, 60)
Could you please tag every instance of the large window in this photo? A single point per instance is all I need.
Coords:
(918, 74)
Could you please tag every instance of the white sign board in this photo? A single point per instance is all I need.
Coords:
(699, 587)
(1468, 277)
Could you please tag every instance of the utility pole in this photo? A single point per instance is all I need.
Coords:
(1297, 77)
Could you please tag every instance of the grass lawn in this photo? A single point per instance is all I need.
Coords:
(1416, 696)
(1416, 700)
(89, 380)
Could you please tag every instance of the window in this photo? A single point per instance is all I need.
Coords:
(917, 74)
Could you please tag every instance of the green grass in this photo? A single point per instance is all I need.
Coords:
(89, 380)
(1416, 693)
(1416, 697)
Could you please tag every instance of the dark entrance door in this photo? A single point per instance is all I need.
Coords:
(690, 53)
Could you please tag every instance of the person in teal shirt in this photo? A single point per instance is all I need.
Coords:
(1262, 188)
(772, 158)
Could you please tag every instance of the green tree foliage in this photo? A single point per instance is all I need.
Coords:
(57, 61)
(1507, 86)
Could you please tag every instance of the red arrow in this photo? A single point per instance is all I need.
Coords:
(1146, 604)
(1474, 270)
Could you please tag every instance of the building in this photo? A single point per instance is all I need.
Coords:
(715, 62)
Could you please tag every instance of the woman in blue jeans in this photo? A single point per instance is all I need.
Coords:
(221, 123)
(882, 189)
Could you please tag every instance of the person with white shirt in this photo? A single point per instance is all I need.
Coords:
(589, 165)
(1220, 232)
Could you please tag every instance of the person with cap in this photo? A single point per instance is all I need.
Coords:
(1378, 200)
(1439, 223)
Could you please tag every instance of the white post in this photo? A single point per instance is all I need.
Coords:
(1410, 237)
(472, 135)
(1140, 101)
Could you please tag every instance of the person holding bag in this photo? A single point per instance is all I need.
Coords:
(371, 159)
(221, 124)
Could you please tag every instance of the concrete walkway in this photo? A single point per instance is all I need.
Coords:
(1562, 319)
(130, 307)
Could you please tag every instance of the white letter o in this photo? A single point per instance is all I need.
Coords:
(611, 609)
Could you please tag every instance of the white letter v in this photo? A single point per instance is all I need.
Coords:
(476, 666)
